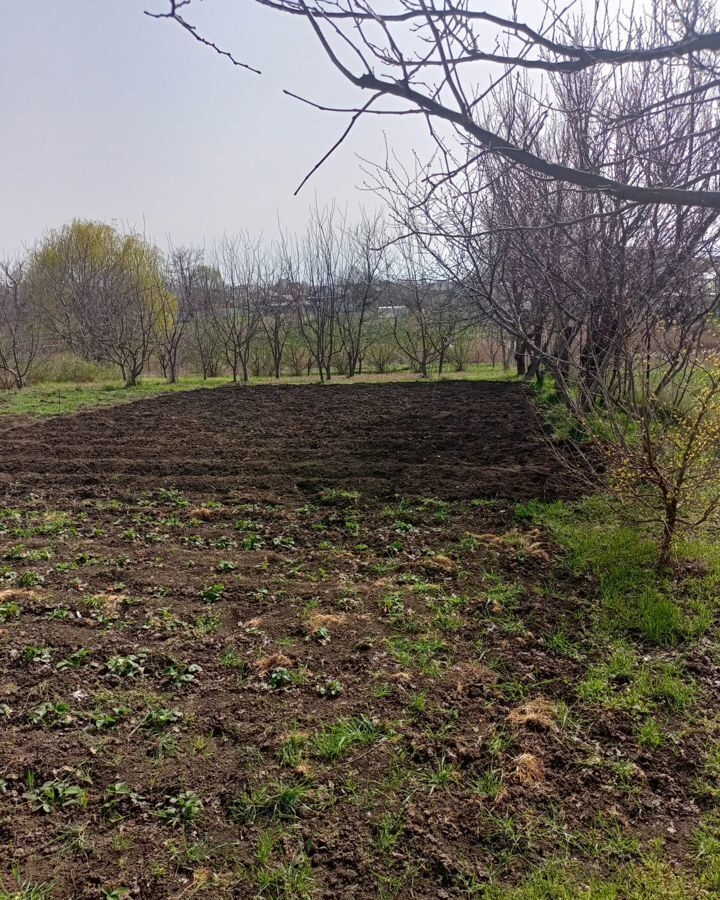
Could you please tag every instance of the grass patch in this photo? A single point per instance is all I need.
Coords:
(338, 738)
(635, 600)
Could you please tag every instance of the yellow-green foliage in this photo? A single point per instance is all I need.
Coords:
(80, 269)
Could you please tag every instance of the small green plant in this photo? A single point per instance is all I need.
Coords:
(279, 677)
(30, 579)
(129, 666)
(41, 655)
(181, 673)
(331, 688)
(212, 593)
(181, 809)
(75, 660)
(160, 719)
(273, 801)
(252, 542)
(207, 623)
(334, 740)
(9, 610)
(320, 636)
(119, 799)
(56, 794)
(51, 715)
(337, 497)
(109, 719)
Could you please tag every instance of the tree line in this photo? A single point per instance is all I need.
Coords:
(341, 299)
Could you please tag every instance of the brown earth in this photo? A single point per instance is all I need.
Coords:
(448, 439)
(371, 633)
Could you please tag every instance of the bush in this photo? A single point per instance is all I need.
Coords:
(67, 367)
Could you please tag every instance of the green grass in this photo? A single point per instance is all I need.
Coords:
(26, 890)
(650, 878)
(51, 399)
(626, 682)
(634, 599)
(274, 801)
(54, 398)
(338, 738)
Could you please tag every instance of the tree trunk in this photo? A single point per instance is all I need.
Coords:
(666, 545)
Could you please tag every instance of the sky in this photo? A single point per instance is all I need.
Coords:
(108, 114)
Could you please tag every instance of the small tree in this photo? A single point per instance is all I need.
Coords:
(19, 334)
(204, 339)
(658, 451)
(100, 293)
(237, 317)
(176, 299)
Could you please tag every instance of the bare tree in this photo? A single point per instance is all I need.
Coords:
(206, 295)
(430, 58)
(365, 260)
(426, 315)
(19, 328)
(181, 286)
(572, 276)
(319, 281)
(237, 316)
(277, 311)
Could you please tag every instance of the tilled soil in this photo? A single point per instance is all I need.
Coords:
(293, 642)
(450, 439)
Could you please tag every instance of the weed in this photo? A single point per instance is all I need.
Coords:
(26, 889)
(649, 733)
(387, 832)
(291, 749)
(441, 776)
(56, 794)
(272, 801)
(489, 784)
(181, 809)
(125, 666)
(418, 705)
(419, 654)
(625, 682)
(181, 673)
(334, 740)
(212, 593)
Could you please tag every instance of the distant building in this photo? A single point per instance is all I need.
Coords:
(391, 312)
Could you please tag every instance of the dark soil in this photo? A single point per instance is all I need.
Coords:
(449, 439)
(293, 543)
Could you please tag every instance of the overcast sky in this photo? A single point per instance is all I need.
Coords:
(108, 114)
